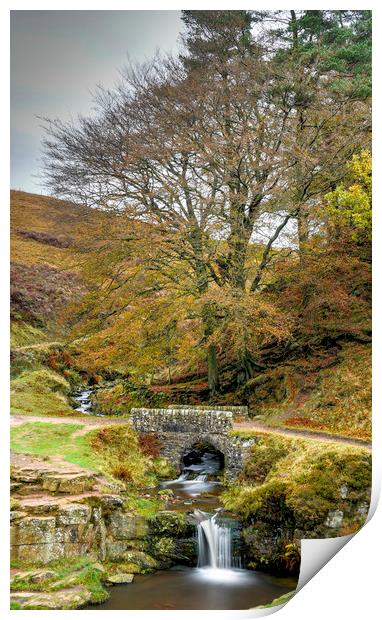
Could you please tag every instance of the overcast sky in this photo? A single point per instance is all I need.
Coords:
(58, 57)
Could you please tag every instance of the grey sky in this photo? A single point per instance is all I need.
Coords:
(58, 57)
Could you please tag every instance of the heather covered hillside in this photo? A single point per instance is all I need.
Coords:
(60, 336)
(44, 263)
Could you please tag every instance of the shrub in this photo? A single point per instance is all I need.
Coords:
(118, 447)
(149, 444)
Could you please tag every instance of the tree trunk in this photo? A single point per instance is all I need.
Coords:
(294, 29)
(196, 242)
(212, 362)
(236, 261)
(303, 233)
(212, 370)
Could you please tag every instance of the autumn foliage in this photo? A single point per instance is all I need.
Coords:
(232, 198)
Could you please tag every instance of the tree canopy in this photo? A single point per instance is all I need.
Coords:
(225, 180)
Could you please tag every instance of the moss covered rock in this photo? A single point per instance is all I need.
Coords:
(72, 598)
(124, 525)
(169, 524)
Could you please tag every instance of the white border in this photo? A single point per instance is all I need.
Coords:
(349, 585)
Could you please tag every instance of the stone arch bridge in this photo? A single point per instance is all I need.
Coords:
(177, 430)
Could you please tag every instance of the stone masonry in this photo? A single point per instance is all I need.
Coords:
(179, 429)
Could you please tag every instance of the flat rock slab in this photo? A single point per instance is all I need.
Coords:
(34, 576)
(68, 483)
(72, 598)
(118, 578)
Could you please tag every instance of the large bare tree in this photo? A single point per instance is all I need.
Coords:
(202, 154)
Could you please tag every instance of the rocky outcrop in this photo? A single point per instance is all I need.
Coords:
(52, 526)
(298, 489)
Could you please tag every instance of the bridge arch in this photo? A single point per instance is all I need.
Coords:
(204, 442)
(179, 429)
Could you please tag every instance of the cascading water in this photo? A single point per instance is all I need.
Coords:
(218, 581)
(197, 476)
(214, 544)
(202, 478)
(83, 400)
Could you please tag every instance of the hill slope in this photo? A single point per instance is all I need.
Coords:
(44, 278)
(326, 390)
(43, 263)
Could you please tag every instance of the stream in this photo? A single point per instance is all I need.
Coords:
(218, 581)
(82, 399)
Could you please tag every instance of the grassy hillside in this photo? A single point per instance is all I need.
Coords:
(44, 264)
(326, 389)
(44, 278)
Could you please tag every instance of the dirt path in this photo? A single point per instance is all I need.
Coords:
(90, 422)
(301, 434)
(37, 345)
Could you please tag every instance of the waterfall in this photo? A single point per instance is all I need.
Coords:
(214, 544)
(201, 478)
(183, 476)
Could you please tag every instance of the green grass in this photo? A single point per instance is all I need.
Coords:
(23, 334)
(40, 392)
(147, 507)
(79, 571)
(15, 606)
(48, 439)
(112, 450)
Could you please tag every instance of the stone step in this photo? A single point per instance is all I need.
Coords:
(71, 483)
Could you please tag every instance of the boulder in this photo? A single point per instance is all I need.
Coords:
(120, 550)
(42, 553)
(169, 524)
(68, 483)
(32, 576)
(15, 515)
(26, 475)
(122, 526)
(118, 578)
(74, 514)
(110, 502)
(40, 506)
(34, 530)
(334, 518)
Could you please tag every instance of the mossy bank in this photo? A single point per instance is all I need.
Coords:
(292, 489)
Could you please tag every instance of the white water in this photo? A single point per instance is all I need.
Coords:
(201, 477)
(214, 544)
(83, 398)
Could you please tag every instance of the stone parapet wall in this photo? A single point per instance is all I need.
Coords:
(237, 410)
(181, 420)
(178, 429)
